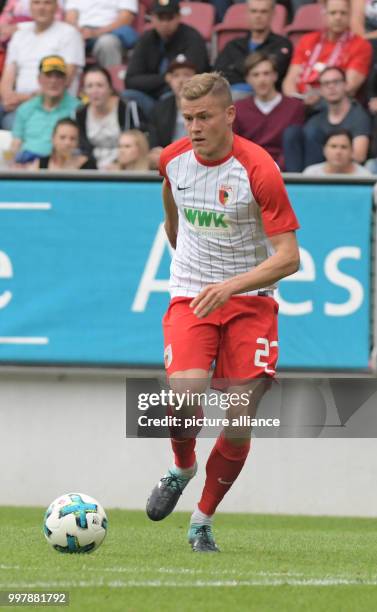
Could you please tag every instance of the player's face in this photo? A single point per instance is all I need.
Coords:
(178, 78)
(165, 24)
(333, 86)
(260, 15)
(65, 140)
(262, 79)
(209, 126)
(337, 16)
(338, 152)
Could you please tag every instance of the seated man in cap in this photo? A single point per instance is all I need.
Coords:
(35, 119)
(156, 48)
(105, 25)
(166, 121)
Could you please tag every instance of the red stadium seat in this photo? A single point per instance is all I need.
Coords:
(236, 22)
(200, 16)
(139, 23)
(308, 18)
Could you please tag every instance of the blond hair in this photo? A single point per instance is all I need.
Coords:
(212, 83)
(142, 144)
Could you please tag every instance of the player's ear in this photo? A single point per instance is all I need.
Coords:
(231, 113)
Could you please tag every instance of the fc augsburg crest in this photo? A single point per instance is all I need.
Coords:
(225, 194)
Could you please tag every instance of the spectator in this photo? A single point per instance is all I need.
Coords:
(133, 152)
(104, 117)
(304, 146)
(166, 121)
(35, 119)
(18, 11)
(33, 41)
(364, 22)
(264, 116)
(364, 19)
(65, 152)
(105, 25)
(145, 78)
(231, 60)
(335, 46)
(338, 157)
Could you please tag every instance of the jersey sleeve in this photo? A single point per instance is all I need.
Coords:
(164, 158)
(169, 153)
(268, 188)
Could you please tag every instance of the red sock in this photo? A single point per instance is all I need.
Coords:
(183, 446)
(184, 452)
(223, 466)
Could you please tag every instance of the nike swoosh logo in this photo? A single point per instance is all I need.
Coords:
(224, 482)
(182, 188)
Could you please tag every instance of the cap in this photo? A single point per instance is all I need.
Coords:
(165, 6)
(181, 61)
(53, 63)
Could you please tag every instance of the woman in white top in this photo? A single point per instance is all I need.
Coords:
(102, 120)
(338, 154)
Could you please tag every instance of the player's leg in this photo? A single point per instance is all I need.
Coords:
(190, 348)
(225, 463)
(165, 495)
(248, 352)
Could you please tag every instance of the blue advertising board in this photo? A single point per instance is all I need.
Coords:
(84, 269)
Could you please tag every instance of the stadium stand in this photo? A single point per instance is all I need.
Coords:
(200, 16)
(235, 24)
(308, 18)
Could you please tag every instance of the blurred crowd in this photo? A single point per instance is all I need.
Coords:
(95, 84)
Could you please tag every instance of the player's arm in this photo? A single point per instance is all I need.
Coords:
(284, 262)
(171, 214)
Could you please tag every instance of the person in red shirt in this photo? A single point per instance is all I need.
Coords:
(337, 46)
(264, 116)
(231, 225)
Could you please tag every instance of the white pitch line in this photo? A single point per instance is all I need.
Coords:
(119, 584)
(23, 340)
(25, 206)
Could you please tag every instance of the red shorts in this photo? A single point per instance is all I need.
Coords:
(241, 337)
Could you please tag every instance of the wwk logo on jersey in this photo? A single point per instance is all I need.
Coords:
(225, 194)
(207, 220)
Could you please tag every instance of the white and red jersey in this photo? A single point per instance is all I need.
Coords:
(227, 209)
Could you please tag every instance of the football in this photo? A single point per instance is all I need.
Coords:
(75, 523)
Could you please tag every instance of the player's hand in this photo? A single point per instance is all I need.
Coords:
(210, 298)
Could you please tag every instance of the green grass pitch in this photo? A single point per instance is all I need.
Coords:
(267, 564)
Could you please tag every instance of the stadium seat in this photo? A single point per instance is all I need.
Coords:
(308, 18)
(139, 23)
(118, 73)
(236, 21)
(200, 16)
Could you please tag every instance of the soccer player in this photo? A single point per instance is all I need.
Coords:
(231, 224)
